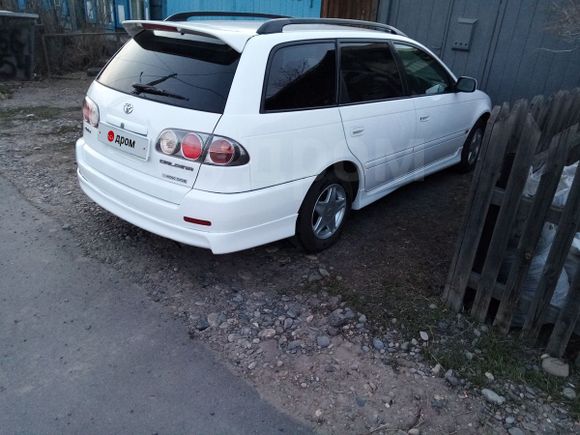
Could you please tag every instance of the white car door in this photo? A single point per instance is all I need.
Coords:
(443, 116)
(379, 124)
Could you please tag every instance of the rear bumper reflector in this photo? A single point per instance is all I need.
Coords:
(196, 221)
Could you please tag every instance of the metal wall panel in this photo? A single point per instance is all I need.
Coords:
(528, 60)
(295, 8)
(510, 53)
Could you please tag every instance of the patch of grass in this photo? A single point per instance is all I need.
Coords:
(509, 358)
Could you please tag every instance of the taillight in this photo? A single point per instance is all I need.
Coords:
(163, 27)
(221, 152)
(90, 112)
(197, 146)
(191, 146)
(168, 142)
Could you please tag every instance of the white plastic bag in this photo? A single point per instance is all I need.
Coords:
(530, 285)
(564, 185)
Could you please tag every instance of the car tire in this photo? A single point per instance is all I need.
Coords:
(471, 148)
(323, 213)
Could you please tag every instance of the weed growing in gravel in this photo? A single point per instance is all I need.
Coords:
(5, 92)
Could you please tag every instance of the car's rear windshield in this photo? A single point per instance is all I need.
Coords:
(183, 71)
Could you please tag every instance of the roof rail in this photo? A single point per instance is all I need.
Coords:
(183, 16)
(277, 25)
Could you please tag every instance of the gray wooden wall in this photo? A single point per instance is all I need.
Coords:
(503, 43)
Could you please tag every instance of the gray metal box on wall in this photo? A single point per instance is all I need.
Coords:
(463, 33)
(17, 45)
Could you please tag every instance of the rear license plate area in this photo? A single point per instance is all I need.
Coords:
(124, 141)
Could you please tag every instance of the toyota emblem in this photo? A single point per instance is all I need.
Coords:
(128, 108)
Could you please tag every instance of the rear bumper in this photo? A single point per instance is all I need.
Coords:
(238, 221)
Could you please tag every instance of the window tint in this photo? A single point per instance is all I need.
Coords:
(425, 75)
(174, 69)
(302, 77)
(368, 73)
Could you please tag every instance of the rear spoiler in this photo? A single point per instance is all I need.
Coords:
(235, 40)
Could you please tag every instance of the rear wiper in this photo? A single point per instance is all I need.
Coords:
(162, 79)
(148, 89)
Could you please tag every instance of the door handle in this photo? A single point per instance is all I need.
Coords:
(424, 118)
(357, 131)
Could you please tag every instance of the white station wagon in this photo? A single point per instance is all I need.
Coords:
(228, 134)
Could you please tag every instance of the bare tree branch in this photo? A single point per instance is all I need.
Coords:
(565, 20)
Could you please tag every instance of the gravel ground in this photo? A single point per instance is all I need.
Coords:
(333, 339)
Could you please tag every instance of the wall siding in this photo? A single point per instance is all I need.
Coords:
(511, 53)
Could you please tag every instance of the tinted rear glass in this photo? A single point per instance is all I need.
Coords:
(193, 74)
(368, 73)
(302, 77)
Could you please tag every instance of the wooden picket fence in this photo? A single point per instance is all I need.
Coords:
(501, 222)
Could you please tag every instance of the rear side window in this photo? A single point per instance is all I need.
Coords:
(425, 75)
(368, 73)
(301, 77)
(174, 69)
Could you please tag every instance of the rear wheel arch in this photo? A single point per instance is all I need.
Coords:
(346, 171)
(341, 178)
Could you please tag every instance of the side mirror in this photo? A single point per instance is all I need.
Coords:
(465, 84)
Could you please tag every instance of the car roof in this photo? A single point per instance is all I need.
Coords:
(236, 33)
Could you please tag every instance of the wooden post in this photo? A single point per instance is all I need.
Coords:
(46, 58)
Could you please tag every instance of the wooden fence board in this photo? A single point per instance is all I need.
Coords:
(473, 282)
(566, 114)
(529, 139)
(486, 173)
(536, 216)
(555, 262)
(518, 115)
(566, 321)
(541, 114)
(553, 118)
(501, 222)
(537, 107)
(575, 109)
(553, 215)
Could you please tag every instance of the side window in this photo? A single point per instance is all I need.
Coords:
(301, 77)
(425, 75)
(368, 72)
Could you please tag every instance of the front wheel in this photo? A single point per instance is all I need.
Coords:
(323, 213)
(471, 149)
